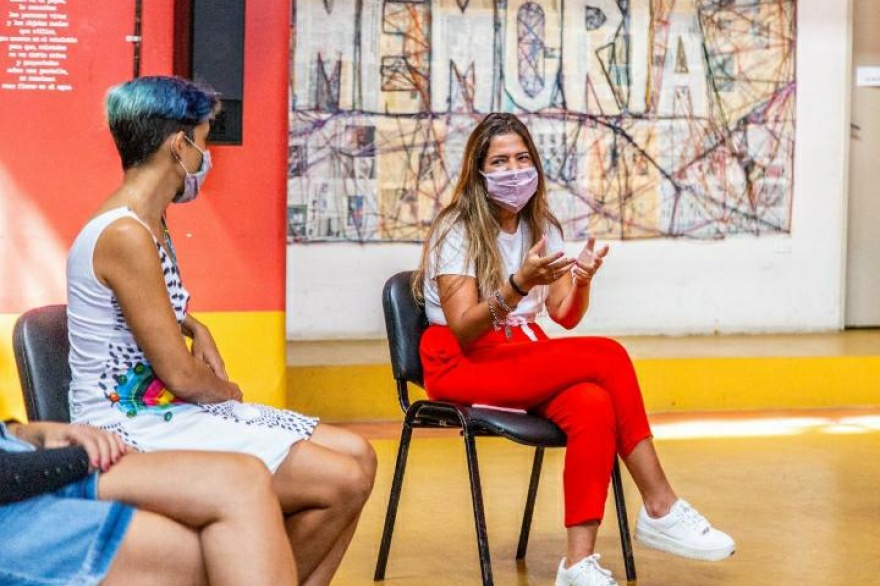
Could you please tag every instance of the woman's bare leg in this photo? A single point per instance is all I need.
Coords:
(323, 491)
(355, 446)
(157, 551)
(348, 443)
(581, 541)
(645, 469)
(228, 499)
(657, 494)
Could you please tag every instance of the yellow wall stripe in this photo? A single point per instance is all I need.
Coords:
(759, 383)
(367, 392)
(251, 343)
(11, 404)
(253, 346)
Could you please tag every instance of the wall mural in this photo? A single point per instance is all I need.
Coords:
(654, 118)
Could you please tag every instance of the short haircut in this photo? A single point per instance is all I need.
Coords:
(145, 111)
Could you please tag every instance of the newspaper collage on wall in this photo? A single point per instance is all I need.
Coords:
(654, 118)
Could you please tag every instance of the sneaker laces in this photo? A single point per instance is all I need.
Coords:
(593, 562)
(693, 518)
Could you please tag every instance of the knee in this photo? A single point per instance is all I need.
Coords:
(353, 486)
(361, 451)
(246, 477)
(612, 348)
(366, 457)
(367, 463)
(587, 407)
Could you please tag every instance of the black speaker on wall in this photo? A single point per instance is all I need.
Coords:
(209, 47)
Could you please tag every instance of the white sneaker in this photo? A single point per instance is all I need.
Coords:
(685, 532)
(586, 572)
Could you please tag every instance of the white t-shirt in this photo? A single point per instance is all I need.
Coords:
(513, 248)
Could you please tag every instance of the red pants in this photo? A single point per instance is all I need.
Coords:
(586, 385)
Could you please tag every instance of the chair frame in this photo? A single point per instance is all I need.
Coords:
(473, 422)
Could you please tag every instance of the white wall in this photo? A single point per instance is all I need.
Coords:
(745, 284)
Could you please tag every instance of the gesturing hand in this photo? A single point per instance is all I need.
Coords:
(538, 269)
(588, 263)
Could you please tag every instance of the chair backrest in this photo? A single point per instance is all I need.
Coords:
(405, 321)
(41, 347)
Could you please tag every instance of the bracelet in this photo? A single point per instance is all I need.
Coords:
(516, 287)
(496, 323)
(500, 299)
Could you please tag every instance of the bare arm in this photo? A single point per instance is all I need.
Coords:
(126, 261)
(467, 316)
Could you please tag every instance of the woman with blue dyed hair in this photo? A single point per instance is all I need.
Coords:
(132, 372)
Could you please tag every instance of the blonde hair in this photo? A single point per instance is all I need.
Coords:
(477, 214)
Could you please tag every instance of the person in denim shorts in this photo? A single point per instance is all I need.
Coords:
(76, 508)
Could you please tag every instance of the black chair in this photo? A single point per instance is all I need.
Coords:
(405, 322)
(40, 343)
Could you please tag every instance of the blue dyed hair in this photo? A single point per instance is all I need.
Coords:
(145, 111)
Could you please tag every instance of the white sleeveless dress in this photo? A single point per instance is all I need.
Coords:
(113, 385)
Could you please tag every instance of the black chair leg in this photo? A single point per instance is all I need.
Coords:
(479, 514)
(623, 523)
(393, 500)
(530, 504)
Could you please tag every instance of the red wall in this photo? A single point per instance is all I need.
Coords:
(57, 163)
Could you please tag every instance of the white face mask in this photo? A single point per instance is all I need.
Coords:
(512, 189)
(192, 184)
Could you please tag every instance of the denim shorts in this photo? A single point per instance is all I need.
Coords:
(64, 538)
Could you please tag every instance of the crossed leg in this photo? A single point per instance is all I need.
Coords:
(323, 485)
(152, 540)
(204, 518)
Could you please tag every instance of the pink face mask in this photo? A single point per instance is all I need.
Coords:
(512, 189)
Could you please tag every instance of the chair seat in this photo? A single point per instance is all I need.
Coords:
(522, 428)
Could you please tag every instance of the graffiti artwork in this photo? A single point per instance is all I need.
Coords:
(654, 118)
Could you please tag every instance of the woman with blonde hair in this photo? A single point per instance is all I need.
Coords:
(493, 261)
